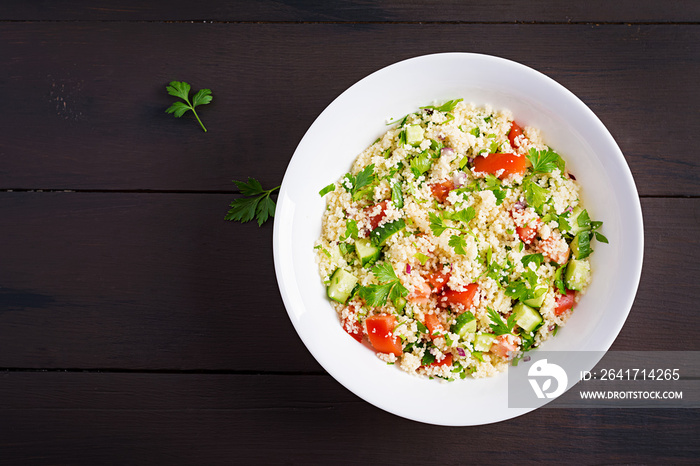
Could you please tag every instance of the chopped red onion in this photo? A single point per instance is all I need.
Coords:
(526, 358)
(447, 151)
(461, 352)
(571, 176)
(408, 268)
(569, 209)
(470, 159)
(459, 178)
(552, 327)
(520, 205)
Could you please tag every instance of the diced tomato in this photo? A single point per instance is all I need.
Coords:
(503, 164)
(527, 234)
(465, 298)
(554, 249)
(564, 302)
(421, 293)
(353, 328)
(442, 190)
(380, 332)
(515, 131)
(374, 219)
(438, 281)
(446, 361)
(505, 346)
(434, 325)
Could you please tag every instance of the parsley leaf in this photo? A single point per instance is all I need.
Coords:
(182, 90)
(536, 258)
(600, 237)
(397, 195)
(535, 195)
(260, 206)
(458, 243)
(377, 295)
(464, 215)
(360, 184)
(351, 230)
(421, 164)
(437, 225)
(498, 325)
(558, 282)
(446, 107)
(327, 189)
(545, 161)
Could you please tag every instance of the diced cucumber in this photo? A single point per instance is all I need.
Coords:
(526, 317)
(578, 272)
(483, 341)
(573, 221)
(366, 251)
(540, 294)
(414, 135)
(341, 285)
(581, 245)
(466, 323)
(380, 234)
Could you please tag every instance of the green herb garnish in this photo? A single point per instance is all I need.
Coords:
(182, 90)
(390, 287)
(545, 161)
(498, 325)
(257, 205)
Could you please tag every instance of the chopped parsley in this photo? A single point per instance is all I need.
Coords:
(498, 325)
(545, 161)
(390, 287)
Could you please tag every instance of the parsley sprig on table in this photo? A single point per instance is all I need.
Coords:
(257, 205)
(182, 90)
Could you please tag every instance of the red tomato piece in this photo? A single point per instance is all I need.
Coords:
(446, 361)
(374, 219)
(504, 346)
(515, 131)
(353, 328)
(465, 298)
(527, 234)
(380, 332)
(502, 164)
(564, 302)
(437, 281)
(434, 325)
(442, 190)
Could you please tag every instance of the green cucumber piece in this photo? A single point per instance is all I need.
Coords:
(414, 135)
(581, 245)
(466, 323)
(574, 227)
(366, 251)
(540, 294)
(578, 272)
(483, 341)
(341, 285)
(526, 317)
(380, 234)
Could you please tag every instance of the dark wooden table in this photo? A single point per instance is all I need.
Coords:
(137, 326)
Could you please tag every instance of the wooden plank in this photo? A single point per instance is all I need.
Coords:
(222, 419)
(160, 281)
(354, 10)
(84, 119)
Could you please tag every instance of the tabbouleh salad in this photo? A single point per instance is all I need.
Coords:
(456, 243)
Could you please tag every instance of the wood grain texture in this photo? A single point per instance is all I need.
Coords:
(85, 118)
(355, 10)
(160, 281)
(74, 418)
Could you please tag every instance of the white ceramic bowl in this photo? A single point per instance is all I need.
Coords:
(352, 122)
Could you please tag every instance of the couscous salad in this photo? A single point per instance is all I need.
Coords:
(456, 243)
